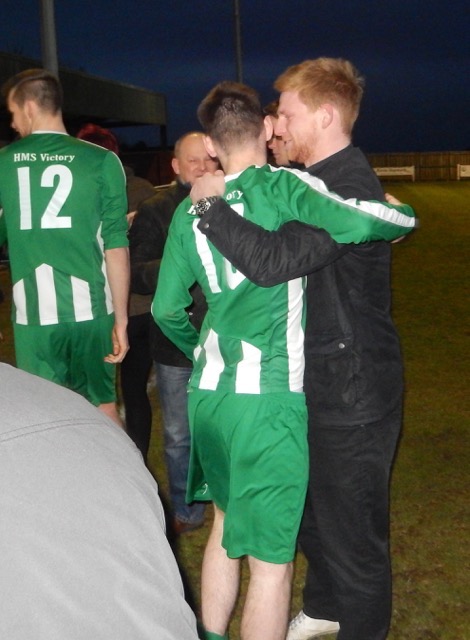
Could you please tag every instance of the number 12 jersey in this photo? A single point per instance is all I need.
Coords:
(63, 204)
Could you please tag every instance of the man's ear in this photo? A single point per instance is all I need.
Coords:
(268, 128)
(209, 145)
(327, 114)
(175, 165)
(30, 109)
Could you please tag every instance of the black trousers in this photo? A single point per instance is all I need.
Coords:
(345, 529)
(135, 369)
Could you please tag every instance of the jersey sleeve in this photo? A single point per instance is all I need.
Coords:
(3, 229)
(114, 204)
(347, 221)
(172, 296)
(318, 228)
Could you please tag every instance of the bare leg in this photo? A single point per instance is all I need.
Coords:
(110, 410)
(266, 610)
(219, 580)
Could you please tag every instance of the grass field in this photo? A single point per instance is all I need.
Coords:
(430, 547)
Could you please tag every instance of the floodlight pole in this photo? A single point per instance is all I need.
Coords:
(48, 37)
(238, 40)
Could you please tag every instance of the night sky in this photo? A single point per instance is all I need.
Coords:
(414, 54)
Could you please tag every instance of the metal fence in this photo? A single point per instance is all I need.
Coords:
(428, 166)
(155, 165)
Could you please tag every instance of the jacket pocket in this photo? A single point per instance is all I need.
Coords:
(331, 376)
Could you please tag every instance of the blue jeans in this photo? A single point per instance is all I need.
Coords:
(172, 387)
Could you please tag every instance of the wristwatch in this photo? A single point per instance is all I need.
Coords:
(202, 206)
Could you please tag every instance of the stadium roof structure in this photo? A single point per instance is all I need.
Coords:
(89, 98)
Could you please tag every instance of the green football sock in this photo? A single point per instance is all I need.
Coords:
(209, 635)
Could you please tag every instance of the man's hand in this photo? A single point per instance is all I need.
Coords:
(130, 218)
(391, 199)
(118, 272)
(120, 345)
(210, 184)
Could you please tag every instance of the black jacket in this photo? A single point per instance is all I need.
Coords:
(353, 370)
(147, 237)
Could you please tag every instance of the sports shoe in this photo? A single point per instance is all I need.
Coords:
(302, 627)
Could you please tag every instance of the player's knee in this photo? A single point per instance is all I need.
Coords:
(269, 570)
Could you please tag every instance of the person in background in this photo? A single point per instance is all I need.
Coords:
(136, 366)
(247, 410)
(276, 145)
(353, 373)
(64, 218)
(82, 533)
(137, 188)
(147, 239)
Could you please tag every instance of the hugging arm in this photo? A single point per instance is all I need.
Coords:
(266, 257)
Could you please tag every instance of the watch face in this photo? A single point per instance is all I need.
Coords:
(203, 205)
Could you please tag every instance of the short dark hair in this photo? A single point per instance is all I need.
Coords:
(39, 85)
(271, 109)
(231, 114)
(100, 136)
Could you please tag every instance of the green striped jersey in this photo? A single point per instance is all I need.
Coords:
(64, 203)
(251, 340)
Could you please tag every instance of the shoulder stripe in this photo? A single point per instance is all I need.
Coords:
(385, 212)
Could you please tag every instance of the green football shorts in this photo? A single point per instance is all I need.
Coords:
(70, 354)
(249, 455)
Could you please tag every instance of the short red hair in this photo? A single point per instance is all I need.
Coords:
(102, 137)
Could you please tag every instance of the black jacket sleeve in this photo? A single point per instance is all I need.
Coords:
(146, 241)
(147, 237)
(266, 257)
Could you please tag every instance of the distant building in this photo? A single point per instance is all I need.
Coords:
(91, 99)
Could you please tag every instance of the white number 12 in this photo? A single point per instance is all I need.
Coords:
(50, 218)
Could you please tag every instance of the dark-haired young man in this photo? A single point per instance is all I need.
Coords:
(353, 368)
(247, 409)
(64, 217)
